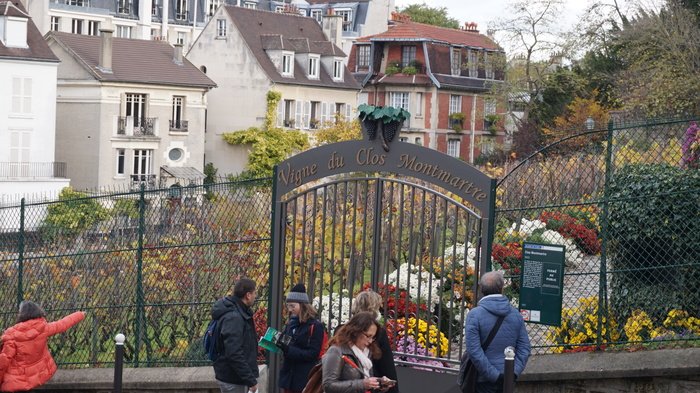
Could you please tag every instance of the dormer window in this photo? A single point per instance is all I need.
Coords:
(338, 67)
(488, 67)
(363, 56)
(347, 18)
(314, 61)
(456, 61)
(287, 64)
(13, 31)
(317, 14)
(473, 70)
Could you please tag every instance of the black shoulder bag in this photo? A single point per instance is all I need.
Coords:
(467, 370)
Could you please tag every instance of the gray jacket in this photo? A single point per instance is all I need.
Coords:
(338, 375)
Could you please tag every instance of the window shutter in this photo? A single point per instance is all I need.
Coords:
(348, 112)
(324, 112)
(298, 116)
(280, 113)
(307, 114)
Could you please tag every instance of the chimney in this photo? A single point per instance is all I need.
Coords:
(105, 64)
(177, 54)
(332, 25)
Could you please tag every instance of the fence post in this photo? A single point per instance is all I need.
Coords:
(139, 275)
(377, 238)
(603, 279)
(20, 252)
(118, 362)
(509, 370)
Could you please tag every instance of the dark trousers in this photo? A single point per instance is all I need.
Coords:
(489, 387)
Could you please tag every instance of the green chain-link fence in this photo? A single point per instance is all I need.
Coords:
(148, 264)
(625, 201)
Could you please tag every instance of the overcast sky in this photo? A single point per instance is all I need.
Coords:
(482, 12)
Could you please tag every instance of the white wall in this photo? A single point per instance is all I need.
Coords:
(40, 120)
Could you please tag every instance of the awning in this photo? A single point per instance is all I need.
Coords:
(181, 172)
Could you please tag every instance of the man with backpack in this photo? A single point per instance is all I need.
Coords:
(235, 363)
(491, 327)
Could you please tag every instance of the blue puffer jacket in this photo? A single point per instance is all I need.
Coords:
(479, 322)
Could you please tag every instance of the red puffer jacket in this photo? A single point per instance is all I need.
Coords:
(25, 361)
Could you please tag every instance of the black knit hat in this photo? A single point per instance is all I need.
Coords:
(298, 294)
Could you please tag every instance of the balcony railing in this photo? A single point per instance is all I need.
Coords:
(178, 125)
(148, 182)
(136, 126)
(32, 170)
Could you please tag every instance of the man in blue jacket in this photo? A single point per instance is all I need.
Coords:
(480, 321)
(236, 368)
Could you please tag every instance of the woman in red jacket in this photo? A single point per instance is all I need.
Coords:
(25, 361)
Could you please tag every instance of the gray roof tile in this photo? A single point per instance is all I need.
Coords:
(136, 61)
(37, 48)
(254, 24)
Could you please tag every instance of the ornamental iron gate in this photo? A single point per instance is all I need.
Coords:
(409, 222)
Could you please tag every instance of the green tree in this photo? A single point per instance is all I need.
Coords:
(423, 13)
(269, 145)
(74, 213)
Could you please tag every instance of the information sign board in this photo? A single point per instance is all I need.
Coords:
(542, 283)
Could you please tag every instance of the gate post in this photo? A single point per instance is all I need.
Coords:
(487, 237)
(377, 240)
(276, 282)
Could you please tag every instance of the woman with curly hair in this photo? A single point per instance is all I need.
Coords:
(347, 365)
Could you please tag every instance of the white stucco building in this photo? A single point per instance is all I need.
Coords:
(129, 113)
(27, 110)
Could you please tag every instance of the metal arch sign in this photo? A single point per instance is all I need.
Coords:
(404, 158)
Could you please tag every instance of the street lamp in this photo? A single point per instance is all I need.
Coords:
(590, 123)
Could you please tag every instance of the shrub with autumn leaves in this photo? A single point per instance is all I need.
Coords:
(570, 227)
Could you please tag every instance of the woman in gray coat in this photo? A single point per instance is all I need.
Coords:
(347, 364)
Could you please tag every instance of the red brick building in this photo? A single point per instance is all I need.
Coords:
(440, 75)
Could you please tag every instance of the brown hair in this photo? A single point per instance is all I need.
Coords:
(307, 312)
(351, 331)
(243, 287)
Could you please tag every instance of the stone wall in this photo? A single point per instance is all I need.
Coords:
(660, 371)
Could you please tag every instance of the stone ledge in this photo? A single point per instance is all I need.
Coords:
(141, 379)
(609, 365)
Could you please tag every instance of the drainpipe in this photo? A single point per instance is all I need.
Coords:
(472, 125)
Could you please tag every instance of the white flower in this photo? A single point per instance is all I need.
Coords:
(412, 278)
(572, 252)
(527, 227)
(333, 312)
(459, 254)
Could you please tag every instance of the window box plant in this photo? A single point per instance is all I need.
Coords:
(289, 123)
(392, 67)
(491, 123)
(457, 121)
(409, 70)
(314, 123)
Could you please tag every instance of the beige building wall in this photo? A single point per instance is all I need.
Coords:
(87, 126)
(239, 101)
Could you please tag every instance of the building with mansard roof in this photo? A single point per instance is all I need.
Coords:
(248, 53)
(129, 112)
(442, 76)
